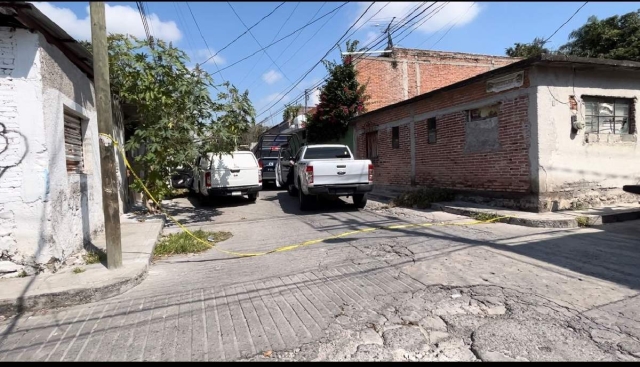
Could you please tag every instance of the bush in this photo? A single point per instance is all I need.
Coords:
(423, 197)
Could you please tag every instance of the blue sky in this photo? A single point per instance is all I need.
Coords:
(481, 27)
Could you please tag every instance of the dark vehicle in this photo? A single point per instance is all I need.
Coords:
(267, 151)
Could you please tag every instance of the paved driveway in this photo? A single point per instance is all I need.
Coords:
(454, 292)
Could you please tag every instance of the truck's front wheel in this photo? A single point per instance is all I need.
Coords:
(360, 200)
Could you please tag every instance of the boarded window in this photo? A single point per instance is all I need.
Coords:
(73, 143)
(395, 137)
(483, 113)
(372, 145)
(607, 115)
(431, 129)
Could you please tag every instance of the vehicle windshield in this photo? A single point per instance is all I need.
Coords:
(327, 153)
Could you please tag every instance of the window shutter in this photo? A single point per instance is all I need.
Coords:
(73, 143)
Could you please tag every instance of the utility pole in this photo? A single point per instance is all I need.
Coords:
(110, 205)
(389, 42)
(306, 99)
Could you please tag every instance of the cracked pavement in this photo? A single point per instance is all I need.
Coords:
(492, 292)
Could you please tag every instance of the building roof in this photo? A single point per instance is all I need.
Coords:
(544, 59)
(22, 14)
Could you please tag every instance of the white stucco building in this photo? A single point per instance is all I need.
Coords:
(50, 185)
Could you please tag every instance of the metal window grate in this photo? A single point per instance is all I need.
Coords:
(73, 143)
(607, 115)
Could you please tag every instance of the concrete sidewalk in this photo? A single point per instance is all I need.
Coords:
(564, 219)
(65, 288)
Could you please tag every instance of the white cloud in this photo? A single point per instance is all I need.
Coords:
(460, 13)
(371, 36)
(271, 76)
(120, 19)
(204, 54)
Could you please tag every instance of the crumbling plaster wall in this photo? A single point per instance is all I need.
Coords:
(46, 214)
(575, 170)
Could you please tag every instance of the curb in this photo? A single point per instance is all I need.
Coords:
(539, 223)
(13, 307)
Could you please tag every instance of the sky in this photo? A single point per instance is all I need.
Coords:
(203, 28)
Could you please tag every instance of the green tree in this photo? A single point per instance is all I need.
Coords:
(290, 112)
(526, 50)
(341, 98)
(175, 119)
(616, 37)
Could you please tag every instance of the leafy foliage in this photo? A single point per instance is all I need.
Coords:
(290, 112)
(341, 98)
(175, 120)
(616, 37)
(183, 243)
(526, 50)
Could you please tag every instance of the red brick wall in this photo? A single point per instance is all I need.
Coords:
(385, 85)
(445, 163)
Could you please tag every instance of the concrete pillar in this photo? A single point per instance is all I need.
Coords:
(405, 80)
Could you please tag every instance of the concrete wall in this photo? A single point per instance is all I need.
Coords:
(46, 214)
(579, 169)
(408, 73)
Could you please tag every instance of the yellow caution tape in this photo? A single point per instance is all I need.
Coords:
(289, 247)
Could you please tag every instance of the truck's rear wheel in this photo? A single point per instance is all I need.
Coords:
(360, 200)
(253, 197)
(305, 200)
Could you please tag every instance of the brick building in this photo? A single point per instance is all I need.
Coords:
(542, 134)
(405, 73)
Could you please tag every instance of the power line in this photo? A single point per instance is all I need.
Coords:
(316, 85)
(182, 20)
(352, 33)
(325, 55)
(273, 39)
(245, 32)
(204, 39)
(281, 39)
(453, 25)
(422, 21)
(258, 42)
(293, 40)
(371, 45)
(565, 23)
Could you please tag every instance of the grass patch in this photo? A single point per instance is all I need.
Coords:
(22, 274)
(183, 243)
(484, 217)
(94, 257)
(422, 198)
(78, 270)
(582, 221)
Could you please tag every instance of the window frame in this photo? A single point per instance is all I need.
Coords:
(432, 129)
(71, 134)
(369, 145)
(613, 101)
(395, 137)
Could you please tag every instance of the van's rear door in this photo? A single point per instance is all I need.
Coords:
(236, 169)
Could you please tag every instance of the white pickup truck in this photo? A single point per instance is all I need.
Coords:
(328, 170)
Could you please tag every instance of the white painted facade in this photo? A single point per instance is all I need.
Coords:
(46, 214)
(582, 166)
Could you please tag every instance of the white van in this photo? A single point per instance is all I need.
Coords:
(235, 174)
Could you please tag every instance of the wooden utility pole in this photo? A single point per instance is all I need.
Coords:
(110, 205)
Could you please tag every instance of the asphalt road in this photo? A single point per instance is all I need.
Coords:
(445, 292)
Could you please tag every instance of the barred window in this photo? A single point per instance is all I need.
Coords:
(607, 115)
(431, 130)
